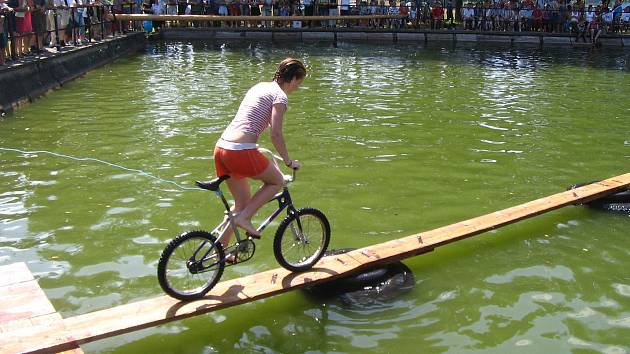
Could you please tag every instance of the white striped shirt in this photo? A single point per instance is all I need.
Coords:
(254, 113)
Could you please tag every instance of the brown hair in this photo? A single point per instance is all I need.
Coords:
(289, 69)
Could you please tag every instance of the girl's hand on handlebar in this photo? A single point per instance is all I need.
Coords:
(294, 164)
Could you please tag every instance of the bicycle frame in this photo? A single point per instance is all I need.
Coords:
(284, 202)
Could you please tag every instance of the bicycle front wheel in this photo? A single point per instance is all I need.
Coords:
(301, 239)
(190, 265)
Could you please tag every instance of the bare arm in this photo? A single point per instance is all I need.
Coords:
(277, 116)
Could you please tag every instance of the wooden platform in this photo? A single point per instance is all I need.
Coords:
(67, 334)
(24, 305)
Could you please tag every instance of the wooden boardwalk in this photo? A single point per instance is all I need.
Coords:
(67, 333)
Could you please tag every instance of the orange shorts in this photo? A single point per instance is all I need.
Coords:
(239, 163)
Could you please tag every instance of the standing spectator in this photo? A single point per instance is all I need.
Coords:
(480, 14)
(625, 17)
(11, 26)
(332, 11)
(81, 13)
(267, 11)
(438, 16)
(245, 10)
(595, 29)
(171, 7)
(546, 19)
(537, 15)
(574, 19)
(344, 10)
(526, 17)
(157, 9)
(23, 22)
(556, 20)
(413, 16)
(233, 10)
(581, 30)
(254, 9)
(468, 15)
(5, 10)
(308, 10)
(393, 11)
(38, 17)
(403, 10)
(426, 13)
(589, 15)
(449, 13)
(297, 23)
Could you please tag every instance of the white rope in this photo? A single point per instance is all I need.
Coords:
(100, 161)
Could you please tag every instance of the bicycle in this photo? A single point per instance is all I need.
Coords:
(193, 262)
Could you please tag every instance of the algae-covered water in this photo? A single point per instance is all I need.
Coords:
(393, 139)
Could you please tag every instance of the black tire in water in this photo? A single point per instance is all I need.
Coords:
(299, 252)
(181, 271)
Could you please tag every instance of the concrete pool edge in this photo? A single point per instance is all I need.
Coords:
(384, 36)
(33, 78)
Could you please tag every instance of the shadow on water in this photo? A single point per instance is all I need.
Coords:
(370, 289)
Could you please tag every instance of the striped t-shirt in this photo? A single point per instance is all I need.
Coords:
(254, 114)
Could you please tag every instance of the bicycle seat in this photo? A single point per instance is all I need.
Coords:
(212, 185)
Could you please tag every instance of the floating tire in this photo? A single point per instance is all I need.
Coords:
(615, 203)
(372, 286)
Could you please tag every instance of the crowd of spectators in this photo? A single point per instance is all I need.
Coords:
(28, 27)
(33, 25)
(482, 15)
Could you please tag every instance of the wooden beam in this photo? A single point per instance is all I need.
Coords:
(194, 18)
(151, 312)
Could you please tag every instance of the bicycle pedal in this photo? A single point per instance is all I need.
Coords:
(255, 237)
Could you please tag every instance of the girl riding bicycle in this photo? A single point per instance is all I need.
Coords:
(236, 152)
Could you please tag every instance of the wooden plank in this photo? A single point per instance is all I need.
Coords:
(151, 312)
(23, 301)
(24, 306)
(15, 273)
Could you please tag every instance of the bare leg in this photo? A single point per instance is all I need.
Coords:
(239, 187)
(272, 182)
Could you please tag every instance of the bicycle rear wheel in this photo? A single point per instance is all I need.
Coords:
(301, 239)
(190, 265)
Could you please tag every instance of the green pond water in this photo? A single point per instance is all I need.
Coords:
(393, 140)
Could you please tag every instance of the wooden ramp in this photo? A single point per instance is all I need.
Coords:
(67, 334)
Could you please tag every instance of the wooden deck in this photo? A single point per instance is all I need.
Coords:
(67, 334)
